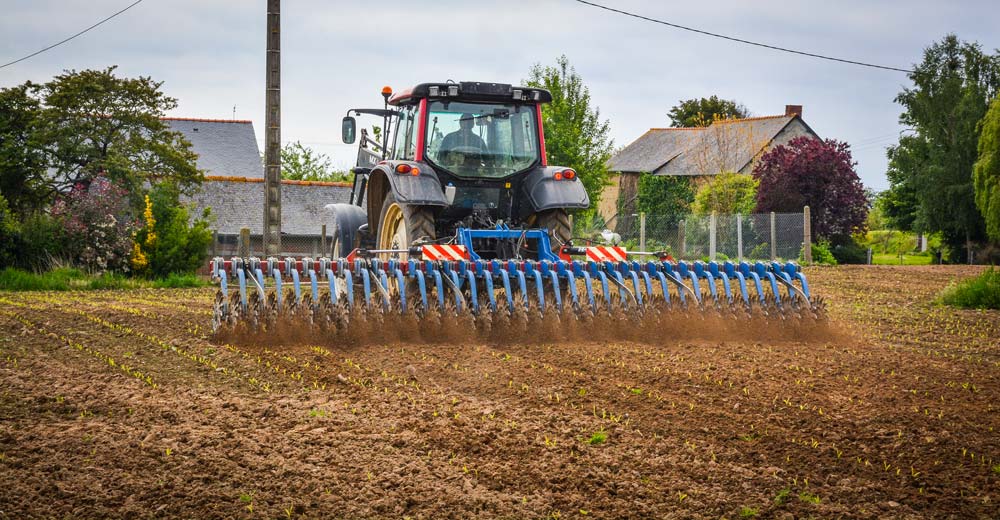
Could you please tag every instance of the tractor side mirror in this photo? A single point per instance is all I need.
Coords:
(348, 129)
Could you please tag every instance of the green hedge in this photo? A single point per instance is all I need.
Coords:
(981, 292)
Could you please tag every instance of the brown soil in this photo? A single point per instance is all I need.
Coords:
(120, 404)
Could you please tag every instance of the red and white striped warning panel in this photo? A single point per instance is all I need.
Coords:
(445, 252)
(606, 254)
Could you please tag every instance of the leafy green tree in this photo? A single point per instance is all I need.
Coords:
(94, 123)
(727, 193)
(575, 135)
(702, 111)
(301, 163)
(665, 199)
(951, 90)
(22, 164)
(986, 172)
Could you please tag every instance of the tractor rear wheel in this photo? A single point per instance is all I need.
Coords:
(401, 225)
(557, 222)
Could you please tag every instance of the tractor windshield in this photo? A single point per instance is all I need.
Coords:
(480, 139)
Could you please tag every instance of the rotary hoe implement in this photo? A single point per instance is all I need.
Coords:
(455, 217)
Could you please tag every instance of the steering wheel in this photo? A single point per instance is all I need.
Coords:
(468, 152)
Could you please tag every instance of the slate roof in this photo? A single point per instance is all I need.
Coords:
(653, 149)
(224, 147)
(686, 151)
(239, 202)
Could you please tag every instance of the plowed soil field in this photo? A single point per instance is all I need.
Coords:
(122, 405)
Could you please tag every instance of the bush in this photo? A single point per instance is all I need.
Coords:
(821, 254)
(167, 244)
(10, 234)
(726, 193)
(981, 292)
(96, 226)
(42, 243)
(846, 251)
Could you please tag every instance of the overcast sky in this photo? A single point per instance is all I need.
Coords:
(337, 55)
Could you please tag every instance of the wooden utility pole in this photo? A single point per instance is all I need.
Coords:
(272, 133)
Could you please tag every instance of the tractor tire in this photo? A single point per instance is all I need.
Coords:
(401, 225)
(557, 222)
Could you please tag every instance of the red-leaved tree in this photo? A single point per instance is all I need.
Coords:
(818, 174)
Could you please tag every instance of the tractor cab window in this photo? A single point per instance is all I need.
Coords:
(482, 139)
(405, 144)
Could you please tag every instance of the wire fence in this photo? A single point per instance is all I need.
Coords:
(758, 236)
(229, 245)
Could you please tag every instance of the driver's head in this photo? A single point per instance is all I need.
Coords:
(467, 121)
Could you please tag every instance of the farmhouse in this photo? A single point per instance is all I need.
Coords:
(697, 152)
(233, 189)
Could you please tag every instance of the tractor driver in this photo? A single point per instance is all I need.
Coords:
(463, 147)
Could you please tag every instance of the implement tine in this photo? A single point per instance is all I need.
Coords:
(473, 296)
(401, 286)
(422, 285)
(505, 278)
(332, 282)
(241, 274)
(277, 284)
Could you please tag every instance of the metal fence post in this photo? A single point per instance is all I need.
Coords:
(681, 240)
(244, 245)
(774, 245)
(807, 250)
(642, 230)
(713, 224)
(739, 237)
(322, 239)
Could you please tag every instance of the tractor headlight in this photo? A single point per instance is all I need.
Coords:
(434, 91)
(452, 90)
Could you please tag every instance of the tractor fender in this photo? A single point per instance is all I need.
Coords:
(545, 192)
(347, 218)
(423, 189)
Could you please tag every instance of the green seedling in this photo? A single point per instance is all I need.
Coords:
(806, 496)
(598, 437)
(748, 512)
(782, 496)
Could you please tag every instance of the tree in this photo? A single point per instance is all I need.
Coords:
(727, 193)
(899, 203)
(986, 172)
(666, 200)
(575, 136)
(96, 124)
(301, 163)
(818, 174)
(22, 165)
(703, 111)
(951, 90)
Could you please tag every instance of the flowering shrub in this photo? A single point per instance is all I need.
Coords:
(96, 226)
(169, 242)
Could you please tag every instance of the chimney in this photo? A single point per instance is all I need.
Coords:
(793, 110)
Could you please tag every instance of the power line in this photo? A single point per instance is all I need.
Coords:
(739, 40)
(54, 45)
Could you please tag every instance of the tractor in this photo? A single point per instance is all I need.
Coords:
(451, 156)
